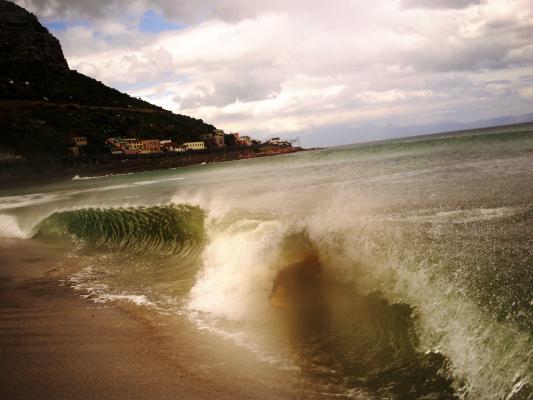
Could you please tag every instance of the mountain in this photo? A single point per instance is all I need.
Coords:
(24, 42)
(43, 104)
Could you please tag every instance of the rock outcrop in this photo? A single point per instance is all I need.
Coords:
(24, 42)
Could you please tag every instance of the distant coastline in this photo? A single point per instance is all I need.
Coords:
(24, 173)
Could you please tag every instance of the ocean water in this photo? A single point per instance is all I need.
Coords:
(425, 246)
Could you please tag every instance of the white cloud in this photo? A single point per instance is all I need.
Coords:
(527, 92)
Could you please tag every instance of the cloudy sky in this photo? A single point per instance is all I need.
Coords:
(321, 71)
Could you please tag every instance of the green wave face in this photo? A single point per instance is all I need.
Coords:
(161, 230)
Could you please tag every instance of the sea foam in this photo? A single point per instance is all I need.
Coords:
(9, 227)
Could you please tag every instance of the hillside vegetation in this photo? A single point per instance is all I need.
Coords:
(43, 104)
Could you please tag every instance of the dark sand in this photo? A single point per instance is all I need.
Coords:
(56, 345)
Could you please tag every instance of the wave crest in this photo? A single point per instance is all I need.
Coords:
(164, 230)
(9, 227)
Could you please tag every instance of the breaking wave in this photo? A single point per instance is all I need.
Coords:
(9, 227)
(395, 326)
(396, 322)
(160, 230)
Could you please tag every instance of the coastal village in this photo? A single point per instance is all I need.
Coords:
(209, 141)
(216, 140)
(129, 154)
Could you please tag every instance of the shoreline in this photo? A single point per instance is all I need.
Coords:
(56, 344)
(132, 165)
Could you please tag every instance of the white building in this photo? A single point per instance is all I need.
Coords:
(193, 146)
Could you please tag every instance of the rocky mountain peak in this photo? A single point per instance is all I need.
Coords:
(24, 42)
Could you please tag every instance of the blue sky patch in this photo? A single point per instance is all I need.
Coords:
(56, 26)
(154, 22)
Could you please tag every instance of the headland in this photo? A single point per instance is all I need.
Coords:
(56, 123)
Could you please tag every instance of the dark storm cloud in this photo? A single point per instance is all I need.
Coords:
(183, 11)
(460, 57)
(498, 43)
(440, 4)
(187, 11)
(69, 8)
(231, 90)
(527, 79)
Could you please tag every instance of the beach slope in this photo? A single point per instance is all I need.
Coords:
(57, 345)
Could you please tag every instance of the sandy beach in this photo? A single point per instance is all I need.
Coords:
(56, 345)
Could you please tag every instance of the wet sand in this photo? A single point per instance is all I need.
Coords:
(56, 345)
